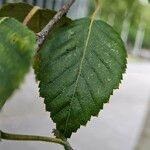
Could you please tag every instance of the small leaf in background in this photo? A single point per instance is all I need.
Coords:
(80, 66)
(20, 10)
(15, 10)
(17, 46)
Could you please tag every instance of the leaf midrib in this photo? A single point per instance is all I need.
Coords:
(80, 68)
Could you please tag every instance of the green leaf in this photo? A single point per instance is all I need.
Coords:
(80, 66)
(15, 10)
(17, 44)
(20, 10)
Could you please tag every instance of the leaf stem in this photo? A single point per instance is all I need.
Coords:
(41, 35)
(97, 8)
(30, 15)
(18, 137)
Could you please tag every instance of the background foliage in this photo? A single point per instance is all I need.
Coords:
(134, 10)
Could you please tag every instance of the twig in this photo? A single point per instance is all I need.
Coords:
(41, 35)
(18, 137)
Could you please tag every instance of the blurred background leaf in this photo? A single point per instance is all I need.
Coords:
(17, 44)
(20, 10)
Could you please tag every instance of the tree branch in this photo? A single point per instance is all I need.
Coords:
(41, 35)
(18, 137)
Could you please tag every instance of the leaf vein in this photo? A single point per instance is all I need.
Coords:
(89, 64)
(89, 89)
(102, 61)
(62, 73)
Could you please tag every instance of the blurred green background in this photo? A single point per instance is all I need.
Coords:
(127, 17)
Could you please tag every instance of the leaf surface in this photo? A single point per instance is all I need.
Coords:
(20, 10)
(80, 66)
(17, 44)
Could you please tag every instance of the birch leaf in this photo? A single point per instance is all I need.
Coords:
(17, 46)
(80, 66)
